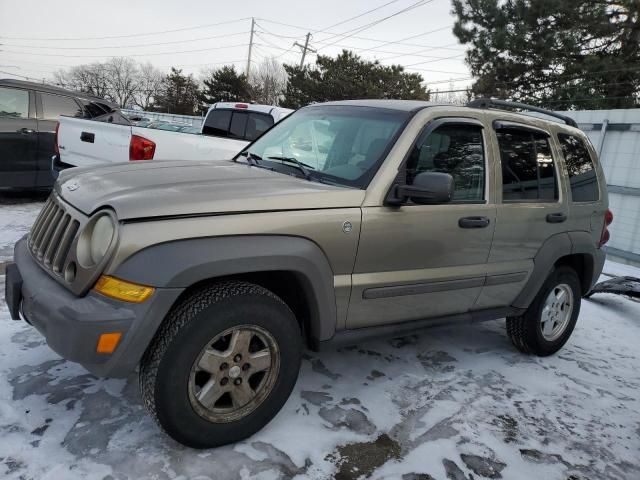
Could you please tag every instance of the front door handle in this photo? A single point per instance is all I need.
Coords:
(473, 222)
(26, 131)
(556, 217)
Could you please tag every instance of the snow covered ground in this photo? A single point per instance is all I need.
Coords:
(452, 403)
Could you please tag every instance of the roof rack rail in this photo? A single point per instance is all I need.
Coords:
(491, 102)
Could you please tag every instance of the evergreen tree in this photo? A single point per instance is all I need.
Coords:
(348, 76)
(226, 85)
(555, 53)
(179, 94)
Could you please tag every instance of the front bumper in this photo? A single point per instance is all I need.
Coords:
(72, 325)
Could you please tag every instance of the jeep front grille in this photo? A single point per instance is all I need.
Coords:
(52, 234)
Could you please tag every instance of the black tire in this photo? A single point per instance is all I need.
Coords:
(525, 331)
(166, 365)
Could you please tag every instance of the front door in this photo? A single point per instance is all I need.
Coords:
(18, 139)
(421, 261)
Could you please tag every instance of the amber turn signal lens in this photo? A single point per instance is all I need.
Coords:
(121, 290)
(108, 342)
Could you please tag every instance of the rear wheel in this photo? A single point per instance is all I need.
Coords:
(550, 319)
(222, 365)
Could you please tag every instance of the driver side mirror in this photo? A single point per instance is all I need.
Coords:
(428, 188)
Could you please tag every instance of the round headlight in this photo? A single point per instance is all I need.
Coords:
(101, 238)
(95, 239)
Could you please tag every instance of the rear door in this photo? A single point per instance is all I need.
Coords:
(50, 108)
(18, 138)
(531, 208)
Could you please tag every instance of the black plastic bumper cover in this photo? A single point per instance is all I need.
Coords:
(72, 325)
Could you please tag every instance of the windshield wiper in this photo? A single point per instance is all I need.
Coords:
(303, 167)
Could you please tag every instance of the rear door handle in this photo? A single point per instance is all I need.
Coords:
(87, 137)
(473, 222)
(26, 130)
(556, 217)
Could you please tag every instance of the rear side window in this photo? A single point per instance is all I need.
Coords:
(55, 105)
(582, 175)
(217, 123)
(528, 170)
(457, 150)
(257, 124)
(238, 125)
(14, 103)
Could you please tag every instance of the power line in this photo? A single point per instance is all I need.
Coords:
(130, 35)
(127, 46)
(354, 31)
(358, 16)
(391, 42)
(130, 55)
(397, 42)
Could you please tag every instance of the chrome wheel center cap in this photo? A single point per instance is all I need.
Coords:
(234, 371)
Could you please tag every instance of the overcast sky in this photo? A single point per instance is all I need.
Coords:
(38, 37)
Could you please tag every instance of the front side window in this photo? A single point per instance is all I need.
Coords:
(582, 175)
(55, 105)
(528, 170)
(339, 144)
(217, 123)
(457, 150)
(14, 103)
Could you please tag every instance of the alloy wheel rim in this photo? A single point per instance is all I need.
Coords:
(234, 373)
(556, 312)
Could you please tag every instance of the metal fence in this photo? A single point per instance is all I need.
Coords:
(166, 117)
(616, 136)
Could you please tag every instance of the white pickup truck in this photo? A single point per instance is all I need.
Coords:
(112, 138)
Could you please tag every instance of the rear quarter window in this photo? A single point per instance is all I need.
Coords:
(53, 106)
(582, 174)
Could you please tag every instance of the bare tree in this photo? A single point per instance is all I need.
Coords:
(123, 79)
(149, 86)
(90, 78)
(268, 82)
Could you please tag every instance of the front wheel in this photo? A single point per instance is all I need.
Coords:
(222, 365)
(550, 319)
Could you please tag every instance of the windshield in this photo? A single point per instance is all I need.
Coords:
(337, 144)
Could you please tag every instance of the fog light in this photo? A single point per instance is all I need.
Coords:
(108, 342)
(121, 290)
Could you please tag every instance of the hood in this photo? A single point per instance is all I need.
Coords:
(159, 188)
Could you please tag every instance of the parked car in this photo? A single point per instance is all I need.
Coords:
(227, 129)
(29, 113)
(212, 277)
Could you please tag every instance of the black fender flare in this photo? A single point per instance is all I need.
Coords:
(183, 263)
(552, 249)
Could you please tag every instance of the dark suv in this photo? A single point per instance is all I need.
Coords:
(28, 117)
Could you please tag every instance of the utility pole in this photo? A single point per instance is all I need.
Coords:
(304, 49)
(253, 25)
